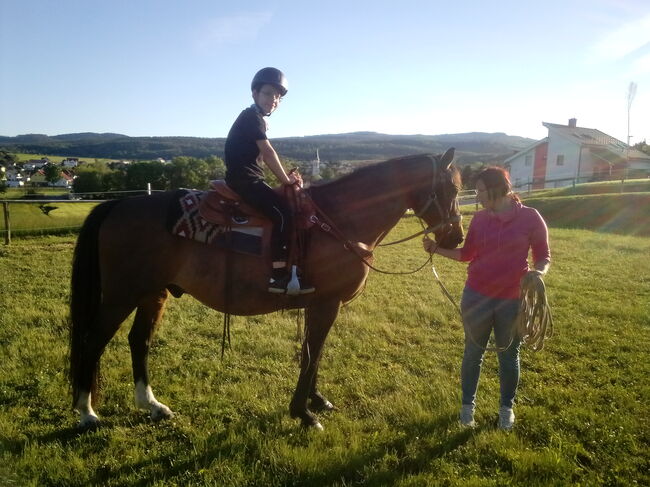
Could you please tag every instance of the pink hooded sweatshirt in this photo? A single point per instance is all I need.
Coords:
(497, 246)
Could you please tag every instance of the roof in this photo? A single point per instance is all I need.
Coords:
(595, 139)
(526, 149)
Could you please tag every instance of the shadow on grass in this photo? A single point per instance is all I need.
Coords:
(421, 443)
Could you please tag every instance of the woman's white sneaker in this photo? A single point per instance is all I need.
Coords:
(467, 415)
(506, 418)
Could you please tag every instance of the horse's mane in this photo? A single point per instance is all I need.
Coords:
(377, 170)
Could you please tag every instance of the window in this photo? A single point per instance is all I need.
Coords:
(559, 160)
(529, 160)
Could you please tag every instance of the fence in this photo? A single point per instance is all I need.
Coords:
(54, 217)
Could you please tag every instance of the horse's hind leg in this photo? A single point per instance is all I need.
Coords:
(106, 324)
(150, 311)
(318, 402)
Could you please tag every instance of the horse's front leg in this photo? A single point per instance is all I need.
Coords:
(319, 318)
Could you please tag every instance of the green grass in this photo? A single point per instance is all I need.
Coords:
(627, 213)
(629, 186)
(391, 366)
(27, 193)
(55, 159)
(29, 219)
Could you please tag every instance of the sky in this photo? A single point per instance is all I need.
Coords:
(164, 68)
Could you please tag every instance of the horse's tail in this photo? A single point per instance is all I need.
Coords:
(85, 295)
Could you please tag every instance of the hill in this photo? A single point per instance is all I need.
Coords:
(471, 147)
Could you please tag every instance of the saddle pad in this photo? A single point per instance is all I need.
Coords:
(184, 220)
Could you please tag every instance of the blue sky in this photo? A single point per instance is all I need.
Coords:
(153, 68)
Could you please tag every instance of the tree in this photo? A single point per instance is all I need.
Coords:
(469, 173)
(194, 173)
(94, 177)
(642, 146)
(52, 173)
(7, 159)
(140, 173)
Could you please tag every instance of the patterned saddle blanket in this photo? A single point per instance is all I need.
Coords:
(185, 219)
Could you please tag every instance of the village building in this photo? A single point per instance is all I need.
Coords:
(64, 181)
(70, 162)
(35, 164)
(572, 154)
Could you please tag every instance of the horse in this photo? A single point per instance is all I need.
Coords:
(125, 259)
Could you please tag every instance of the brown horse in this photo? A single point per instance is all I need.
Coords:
(125, 259)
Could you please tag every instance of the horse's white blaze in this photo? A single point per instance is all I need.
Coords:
(144, 399)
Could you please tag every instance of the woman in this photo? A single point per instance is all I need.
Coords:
(497, 246)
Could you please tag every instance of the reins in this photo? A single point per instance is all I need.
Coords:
(328, 226)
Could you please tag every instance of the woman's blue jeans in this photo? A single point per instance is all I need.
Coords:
(481, 315)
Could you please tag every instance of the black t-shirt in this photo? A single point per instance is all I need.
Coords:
(241, 148)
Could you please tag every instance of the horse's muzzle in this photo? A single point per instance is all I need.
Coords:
(450, 236)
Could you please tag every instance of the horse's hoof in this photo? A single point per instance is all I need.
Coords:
(88, 423)
(161, 413)
(317, 426)
(322, 406)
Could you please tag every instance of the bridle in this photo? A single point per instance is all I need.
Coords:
(446, 217)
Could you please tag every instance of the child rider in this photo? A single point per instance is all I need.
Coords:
(246, 147)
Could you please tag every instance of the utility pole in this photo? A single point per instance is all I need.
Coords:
(631, 93)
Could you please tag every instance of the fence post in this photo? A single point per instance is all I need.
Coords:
(5, 207)
(149, 189)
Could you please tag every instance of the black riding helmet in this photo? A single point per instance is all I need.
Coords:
(270, 76)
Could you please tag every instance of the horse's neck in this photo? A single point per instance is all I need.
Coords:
(364, 206)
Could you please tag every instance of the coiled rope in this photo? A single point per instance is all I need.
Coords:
(534, 322)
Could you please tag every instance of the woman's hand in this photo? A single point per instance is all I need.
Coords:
(429, 245)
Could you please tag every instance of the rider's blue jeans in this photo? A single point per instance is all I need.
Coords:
(481, 315)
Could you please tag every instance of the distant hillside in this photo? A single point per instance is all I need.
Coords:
(470, 147)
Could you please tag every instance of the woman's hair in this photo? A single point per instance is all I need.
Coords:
(497, 182)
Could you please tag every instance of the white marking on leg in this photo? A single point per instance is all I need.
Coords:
(87, 416)
(144, 399)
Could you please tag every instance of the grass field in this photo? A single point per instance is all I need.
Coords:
(391, 366)
(55, 159)
(63, 216)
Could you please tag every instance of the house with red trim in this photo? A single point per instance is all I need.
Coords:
(572, 154)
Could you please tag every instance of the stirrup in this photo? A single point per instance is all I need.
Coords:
(279, 286)
(296, 286)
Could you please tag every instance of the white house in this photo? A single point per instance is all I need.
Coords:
(573, 154)
(70, 162)
(35, 164)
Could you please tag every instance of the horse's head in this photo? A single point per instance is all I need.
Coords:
(438, 204)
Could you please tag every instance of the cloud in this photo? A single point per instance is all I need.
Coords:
(624, 41)
(232, 29)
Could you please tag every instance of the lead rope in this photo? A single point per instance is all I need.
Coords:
(534, 322)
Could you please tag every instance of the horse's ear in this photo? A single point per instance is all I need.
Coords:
(448, 157)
